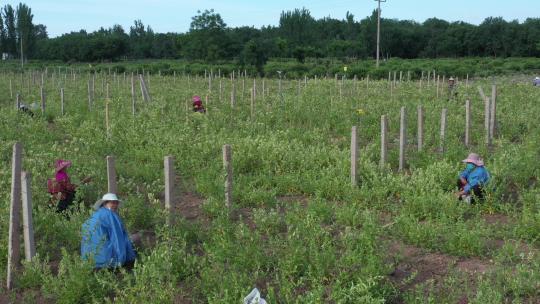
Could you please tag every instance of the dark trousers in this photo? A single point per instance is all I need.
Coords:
(475, 192)
(64, 204)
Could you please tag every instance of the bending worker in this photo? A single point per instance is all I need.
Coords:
(105, 240)
(472, 181)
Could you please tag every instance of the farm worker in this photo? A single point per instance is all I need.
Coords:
(452, 93)
(105, 241)
(473, 179)
(536, 81)
(24, 108)
(61, 187)
(197, 104)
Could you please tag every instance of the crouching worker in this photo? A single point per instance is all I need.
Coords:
(25, 109)
(105, 240)
(197, 105)
(60, 187)
(472, 181)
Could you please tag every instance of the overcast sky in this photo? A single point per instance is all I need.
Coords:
(62, 16)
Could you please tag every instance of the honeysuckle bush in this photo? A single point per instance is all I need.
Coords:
(326, 242)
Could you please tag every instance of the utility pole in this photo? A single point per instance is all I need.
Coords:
(379, 29)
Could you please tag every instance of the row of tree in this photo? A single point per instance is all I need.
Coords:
(18, 34)
(298, 35)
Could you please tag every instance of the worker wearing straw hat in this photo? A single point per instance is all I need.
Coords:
(61, 188)
(197, 105)
(105, 240)
(536, 81)
(472, 181)
(452, 90)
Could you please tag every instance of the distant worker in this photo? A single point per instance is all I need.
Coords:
(536, 81)
(452, 89)
(25, 109)
(61, 188)
(105, 240)
(472, 181)
(197, 105)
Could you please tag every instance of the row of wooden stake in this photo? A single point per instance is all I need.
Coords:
(21, 192)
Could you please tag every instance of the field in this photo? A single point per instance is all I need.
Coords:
(297, 230)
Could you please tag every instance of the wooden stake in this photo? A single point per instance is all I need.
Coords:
(133, 95)
(443, 129)
(420, 130)
(169, 182)
(487, 120)
(107, 125)
(111, 175)
(227, 164)
(28, 227)
(42, 94)
(384, 140)
(354, 157)
(402, 138)
(493, 112)
(14, 246)
(467, 122)
(62, 101)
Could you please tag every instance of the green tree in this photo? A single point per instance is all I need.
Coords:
(25, 30)
(255, 54)
(207, 38)
(10, 45)
(141, 40)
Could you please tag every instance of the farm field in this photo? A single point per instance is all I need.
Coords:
(297, 229)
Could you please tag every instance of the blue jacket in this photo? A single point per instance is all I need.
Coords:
(105, 240)
(477, 176)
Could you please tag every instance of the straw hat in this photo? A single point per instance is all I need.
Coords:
(61, 164)
(105, 198)
(474, 159)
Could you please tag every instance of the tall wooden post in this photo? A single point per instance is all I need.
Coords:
(420, 129)
(402, 138)
(467, 122)
(14, 246)
(62, 101)
(384, 140)
(443, 129)
(487, 115)
(18, 102)
(493, 112)
(107, 124)
(42, 94)
(111, 175)
(168, 164)
(28, 226)
(133, 95)
(227, 164)
(354, 156)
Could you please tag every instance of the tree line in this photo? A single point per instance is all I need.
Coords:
(298, 35)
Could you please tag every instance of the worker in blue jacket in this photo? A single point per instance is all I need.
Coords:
(105, 240)
(472, 181)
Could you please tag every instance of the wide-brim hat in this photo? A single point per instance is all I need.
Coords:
(61, 164)
(451, 79)
(105, 198)
(475, 159)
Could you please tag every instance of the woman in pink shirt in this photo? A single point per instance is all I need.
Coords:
(61, 187)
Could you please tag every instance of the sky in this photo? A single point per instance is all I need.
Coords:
(64, 16)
